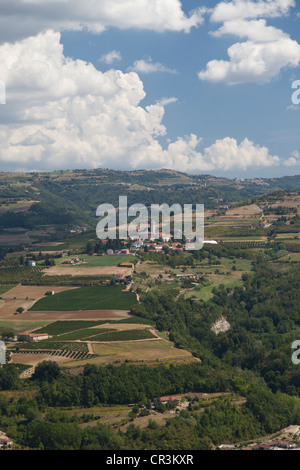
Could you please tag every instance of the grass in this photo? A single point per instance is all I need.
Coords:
(206, 292)
(4, 289)
(50, 248)
(88, 298)
(127, 335)
(291, 257)
(19, 327)
(148, 351)
(61, 327)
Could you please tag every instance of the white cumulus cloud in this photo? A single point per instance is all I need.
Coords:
(111, 57)
(266, 50)
(23, 18)
(64, 113)
(293, 160)
(147, 66)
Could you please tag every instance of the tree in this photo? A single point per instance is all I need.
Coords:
(6, 334)
(46, 371)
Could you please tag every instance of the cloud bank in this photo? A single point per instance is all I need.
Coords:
(64, 113)
(30, 17)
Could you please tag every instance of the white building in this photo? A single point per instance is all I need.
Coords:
(32, 337)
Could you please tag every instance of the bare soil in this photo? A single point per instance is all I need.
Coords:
(25, 297)
(51, 315)
(87, 271)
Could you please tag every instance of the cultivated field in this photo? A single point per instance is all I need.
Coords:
(244, 211)
(96, 261)
(33, 359)
(82, 270)
(54, 315)
(75, 343)
(88, 298)
(10, 239)
(25, 297)
(149, 351)
(292, 201)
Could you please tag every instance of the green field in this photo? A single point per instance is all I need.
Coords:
(86, 333)
(206, 292)
(88, 298)
(45, 247)
(106, 260)
(61, 327)
(127, 335)
(4, 289)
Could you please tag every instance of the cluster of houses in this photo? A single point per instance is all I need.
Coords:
(78, 229)
(152, 247)
(74, 260)
(280, 445)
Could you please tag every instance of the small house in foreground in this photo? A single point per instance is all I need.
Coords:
(32, 337)
(5, 442)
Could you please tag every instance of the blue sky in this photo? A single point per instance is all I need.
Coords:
(126, 88)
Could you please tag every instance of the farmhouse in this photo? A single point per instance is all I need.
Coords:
(137, 244)
(31, 263)
(186, 276)
(119, 276)
(32, 337)
(78, 229)
(156, 247)
(127, 265)
(165, 400)
(72, 261)
(5, 441)
(266, 224)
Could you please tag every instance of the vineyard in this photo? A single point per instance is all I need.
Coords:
(74, 355)
(35, 276)
(127, 335)
(245, 244)
(87, 298)
(68, 280)
(83, 334)
(21, 275)
(61, 327)
(48, 345)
